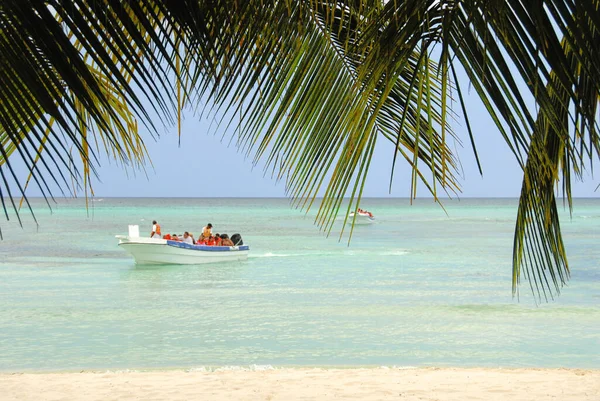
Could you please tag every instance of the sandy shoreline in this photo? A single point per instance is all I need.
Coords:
(308, 384)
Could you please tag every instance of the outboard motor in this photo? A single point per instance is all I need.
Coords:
(237, 239)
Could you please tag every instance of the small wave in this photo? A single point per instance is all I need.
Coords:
(398, 252)
(230, 368)
(345, 252)
(398, 367)
(123, 371)
(271, 255)
(389, 252)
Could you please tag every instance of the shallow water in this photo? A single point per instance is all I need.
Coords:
(419, 288)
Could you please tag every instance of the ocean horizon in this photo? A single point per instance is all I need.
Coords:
(424, 286)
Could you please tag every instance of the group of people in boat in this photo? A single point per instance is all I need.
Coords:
(361, 211)
(206, 238)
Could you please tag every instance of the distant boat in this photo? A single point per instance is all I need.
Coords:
(160, 251)
(362, 217)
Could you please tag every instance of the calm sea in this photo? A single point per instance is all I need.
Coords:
(419, 288)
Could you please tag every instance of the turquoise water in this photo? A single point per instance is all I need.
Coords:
(419, 288)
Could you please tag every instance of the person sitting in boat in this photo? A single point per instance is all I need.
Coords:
(218, 240)
(167, 236)
(361, 211)
(210, 241)
(201, 241)
(187, 238)
(225, 241)
(175, 238)
(155, 230)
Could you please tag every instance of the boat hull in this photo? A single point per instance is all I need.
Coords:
(361, 219)
(159, 251)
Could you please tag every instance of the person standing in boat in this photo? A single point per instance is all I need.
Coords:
(206, 231)
(155, 230)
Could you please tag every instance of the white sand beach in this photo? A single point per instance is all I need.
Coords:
(308, 384)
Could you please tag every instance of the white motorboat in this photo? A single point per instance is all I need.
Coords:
(362, 217)
(160, 251)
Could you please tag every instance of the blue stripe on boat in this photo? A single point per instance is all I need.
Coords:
(209, 248)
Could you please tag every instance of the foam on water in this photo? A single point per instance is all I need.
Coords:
(271, 255)
(234, 368)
